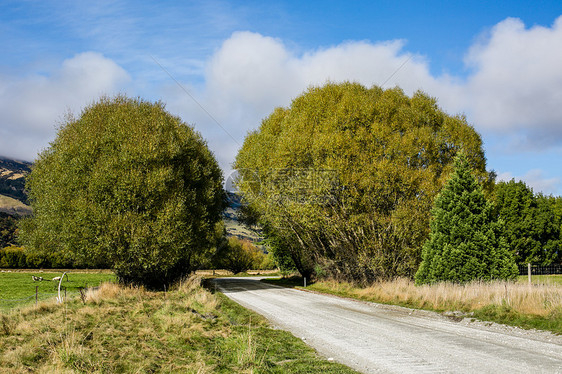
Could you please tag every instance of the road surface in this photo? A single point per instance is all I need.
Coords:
(375, 338)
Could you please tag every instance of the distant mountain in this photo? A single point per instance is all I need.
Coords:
(12, 178)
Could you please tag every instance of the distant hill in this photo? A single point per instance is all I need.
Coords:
(14, 207)
(13, 198)
(233, 225)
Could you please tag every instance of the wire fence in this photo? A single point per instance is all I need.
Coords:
(36, 297)
(540, 270)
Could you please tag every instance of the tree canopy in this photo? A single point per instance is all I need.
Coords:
(128, 185)
(466, 242)
(343, 180)
(533, 227)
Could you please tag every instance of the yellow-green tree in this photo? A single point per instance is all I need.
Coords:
(129, 185)
(344, 178)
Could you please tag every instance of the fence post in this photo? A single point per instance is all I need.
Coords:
(529, 272)
(304, 282)
(36, 293)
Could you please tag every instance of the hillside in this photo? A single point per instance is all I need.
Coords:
(13, 207)
(234, 227)
(13, 198)
(12, 178)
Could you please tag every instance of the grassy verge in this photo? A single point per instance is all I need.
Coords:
(541, 279)
(538, 305)
(123, 330)
(17, 288)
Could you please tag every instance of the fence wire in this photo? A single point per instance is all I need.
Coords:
(40, 296)
(540, 270)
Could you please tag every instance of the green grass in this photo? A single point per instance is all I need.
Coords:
(131, 330)
(17, 288)
(507, 315)
(541, 279)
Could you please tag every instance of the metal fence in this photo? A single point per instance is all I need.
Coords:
(540, 270)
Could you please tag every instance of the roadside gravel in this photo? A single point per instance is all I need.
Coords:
(376, 338)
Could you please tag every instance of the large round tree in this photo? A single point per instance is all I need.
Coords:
(343, 180)
(129, 185)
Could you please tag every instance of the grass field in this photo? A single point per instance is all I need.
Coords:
(537, 305)
(130, 330)
(541, 279)
(17, 288)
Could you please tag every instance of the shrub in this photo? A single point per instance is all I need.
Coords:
(242, 255)
(13, 257)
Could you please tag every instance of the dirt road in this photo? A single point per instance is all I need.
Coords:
(374, 338)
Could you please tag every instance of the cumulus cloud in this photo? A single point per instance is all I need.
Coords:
(262, 72)
(536, 179)
(251, 74)
(516, 84)
(32, 107)
(513, 88)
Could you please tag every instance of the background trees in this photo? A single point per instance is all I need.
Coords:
(129, 185)
(344, 179)
(8, 229)
(466, 242)
(532, 225)
(240, 255)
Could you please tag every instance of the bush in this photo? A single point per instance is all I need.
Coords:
(129, 185)
(242, 255)
(13, 258)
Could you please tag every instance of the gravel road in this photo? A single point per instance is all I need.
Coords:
(375, 338)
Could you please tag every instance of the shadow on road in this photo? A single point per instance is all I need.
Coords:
(242, 284)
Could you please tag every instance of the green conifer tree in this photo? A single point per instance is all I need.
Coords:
(532, 225)
(465, 243)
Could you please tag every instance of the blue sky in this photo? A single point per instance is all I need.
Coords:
(498, 63)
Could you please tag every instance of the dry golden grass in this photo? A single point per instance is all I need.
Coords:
(531, 299)
(118, 329)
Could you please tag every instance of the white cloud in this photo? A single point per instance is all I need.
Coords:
(536, 179)
(516, 85)
(262, 72)
(251, 74)
(31, 107)
(514, 88)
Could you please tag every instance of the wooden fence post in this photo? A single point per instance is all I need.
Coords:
(36, 294)
(529, 272)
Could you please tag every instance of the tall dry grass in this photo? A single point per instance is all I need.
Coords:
(530, 299)
(114, 329)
